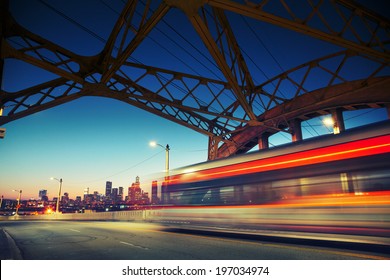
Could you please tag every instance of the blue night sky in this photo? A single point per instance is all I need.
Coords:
(93, 139)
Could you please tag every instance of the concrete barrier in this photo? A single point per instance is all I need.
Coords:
(137, 215)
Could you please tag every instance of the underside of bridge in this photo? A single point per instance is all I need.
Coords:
(236, 108)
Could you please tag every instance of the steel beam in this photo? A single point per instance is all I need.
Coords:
(264, 140)
(213, 48)
(296, 130)
(237, 122)
(298, 24)
(137, 40)
(318, 102)
(338, 120)
(3, 27)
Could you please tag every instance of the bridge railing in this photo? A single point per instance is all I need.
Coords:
(136, 215)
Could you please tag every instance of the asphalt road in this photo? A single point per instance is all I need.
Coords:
(66, 240)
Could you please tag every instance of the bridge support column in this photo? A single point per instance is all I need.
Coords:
(213, 147)
(338, 121)
(296, 130)
(263, 141)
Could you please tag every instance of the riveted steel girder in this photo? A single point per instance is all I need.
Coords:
(3, 28)
(356, 94)
(233, 111)
(373, 46)
(145, 27)
(203, 32)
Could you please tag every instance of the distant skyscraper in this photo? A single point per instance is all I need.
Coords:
(42, 193)
(108, 188)
(120, 193)
(135, 192)
(114, 194)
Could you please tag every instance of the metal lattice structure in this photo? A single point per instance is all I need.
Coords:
(232, 111)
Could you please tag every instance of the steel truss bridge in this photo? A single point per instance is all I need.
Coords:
(239, 109)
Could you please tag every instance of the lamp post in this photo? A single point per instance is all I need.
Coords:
(19, 197)
(166, 148)
(59, 194)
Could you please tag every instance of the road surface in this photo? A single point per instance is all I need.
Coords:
(75, 240)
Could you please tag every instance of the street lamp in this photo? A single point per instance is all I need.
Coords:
(19, 197)
(166, 148)
(59, 194)
(328, 121)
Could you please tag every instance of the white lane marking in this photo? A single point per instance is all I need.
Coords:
(132, 245)
(74, 230)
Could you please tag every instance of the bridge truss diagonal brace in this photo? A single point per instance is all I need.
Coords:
(144, 103)
(3, 28)
(237, 84)
(43, 53)
(124, 19)
(149, 97)
(213, 48)
(137, 40)
(35, 109)
(213, 148)
(255, 11)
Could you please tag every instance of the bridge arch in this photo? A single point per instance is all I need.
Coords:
(232, 110)
(342, 97)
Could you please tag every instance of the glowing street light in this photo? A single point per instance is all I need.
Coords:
(59, 194)
(165, 184)
(328, 121)
(19, 197)
(166, 148)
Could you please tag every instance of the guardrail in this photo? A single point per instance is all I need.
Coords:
(136, 215)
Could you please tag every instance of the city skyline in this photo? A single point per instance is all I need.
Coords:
(43, 191)
(112, 199)
(124, 177)
(92, 140)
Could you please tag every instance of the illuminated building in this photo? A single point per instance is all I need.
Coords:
(135, 192)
